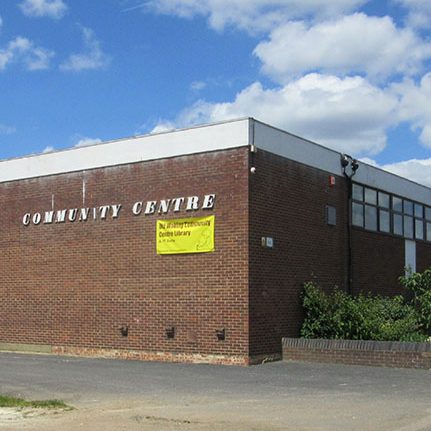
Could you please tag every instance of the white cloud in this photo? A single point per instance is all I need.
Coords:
(418, 170)
(40, 8)
(48, 149)
(25, 51)
(350, 45)
(6, 130)
(415, 106)
(252, 15)
(85, 142)
(198, 85)
(419, 12)
(91, 58)
(347, 114)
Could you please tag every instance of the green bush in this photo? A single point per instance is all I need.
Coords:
(364, 317)
(419, 284)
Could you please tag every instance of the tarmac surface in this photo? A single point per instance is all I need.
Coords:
(291, 396)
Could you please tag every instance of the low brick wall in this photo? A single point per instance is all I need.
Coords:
(353, 352)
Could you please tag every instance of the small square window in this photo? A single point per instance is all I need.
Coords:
(428, 213)
(408, 227)
(397, 204)
(383, 200)
(384, 221)
(358, 193)
(358, 214)
(419, 211)
(331, 215)
(370, 217)
(408, 207)
(419, 229)
(398, 224)
(370, 196)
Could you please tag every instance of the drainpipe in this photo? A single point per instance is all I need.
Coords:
(350, 166)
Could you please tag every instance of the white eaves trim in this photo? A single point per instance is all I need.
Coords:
(137, 149)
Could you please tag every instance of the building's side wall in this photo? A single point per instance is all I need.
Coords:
(75, 284)
(378, 261)
(287, 202)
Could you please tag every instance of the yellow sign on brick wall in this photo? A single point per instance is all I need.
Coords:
(186, 235)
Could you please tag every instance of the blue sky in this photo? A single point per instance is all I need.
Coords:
(354, 75)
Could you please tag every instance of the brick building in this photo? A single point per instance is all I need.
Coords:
(101, 253)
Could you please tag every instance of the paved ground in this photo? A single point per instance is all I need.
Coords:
(127, 395)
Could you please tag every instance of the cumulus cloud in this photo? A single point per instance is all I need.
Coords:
(348, 114)
(26, 52)
(40, 8)
(352, 44)
(419, 12)
(85, 142)
(91, 58)
(415, 106)
(252, 15)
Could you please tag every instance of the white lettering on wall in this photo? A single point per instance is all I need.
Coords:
(209, 201)
(164, 206)
(137, 208)
(192, 203)
(115, 210)
(150, 208)
(26, 219)
(177, 203)
(37, 218)
(104, 212)
(49, 217)
(60, 216)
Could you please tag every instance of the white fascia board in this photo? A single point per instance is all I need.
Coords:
(194, 140)
(292, 147)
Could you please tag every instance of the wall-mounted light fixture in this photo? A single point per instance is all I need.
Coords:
(221, 334)
(347, 160)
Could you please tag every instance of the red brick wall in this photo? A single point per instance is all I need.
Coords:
(287, 202)
(353, 352)
(75, 284)
(378, 261)
(423, 256)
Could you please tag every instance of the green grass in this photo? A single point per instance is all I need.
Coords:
(6, 401)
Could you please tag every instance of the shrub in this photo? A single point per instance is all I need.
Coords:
(419, 285)
(364, 317)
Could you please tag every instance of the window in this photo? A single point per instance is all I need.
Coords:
(358, 215)
(358, 193)
(370, 196)
(384, 221)
(397, 204)
(419, 228)
(331, 215)
(370, 217)
(383, 200)
(408, 207)
(398, 224)
(408, 227)
(379, 211)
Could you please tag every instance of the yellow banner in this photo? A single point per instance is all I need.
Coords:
(186, 235)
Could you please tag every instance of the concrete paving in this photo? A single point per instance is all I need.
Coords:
(276, 396)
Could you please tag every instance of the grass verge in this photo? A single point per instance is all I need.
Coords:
(7, 401)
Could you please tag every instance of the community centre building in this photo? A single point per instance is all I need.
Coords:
(194, 244)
